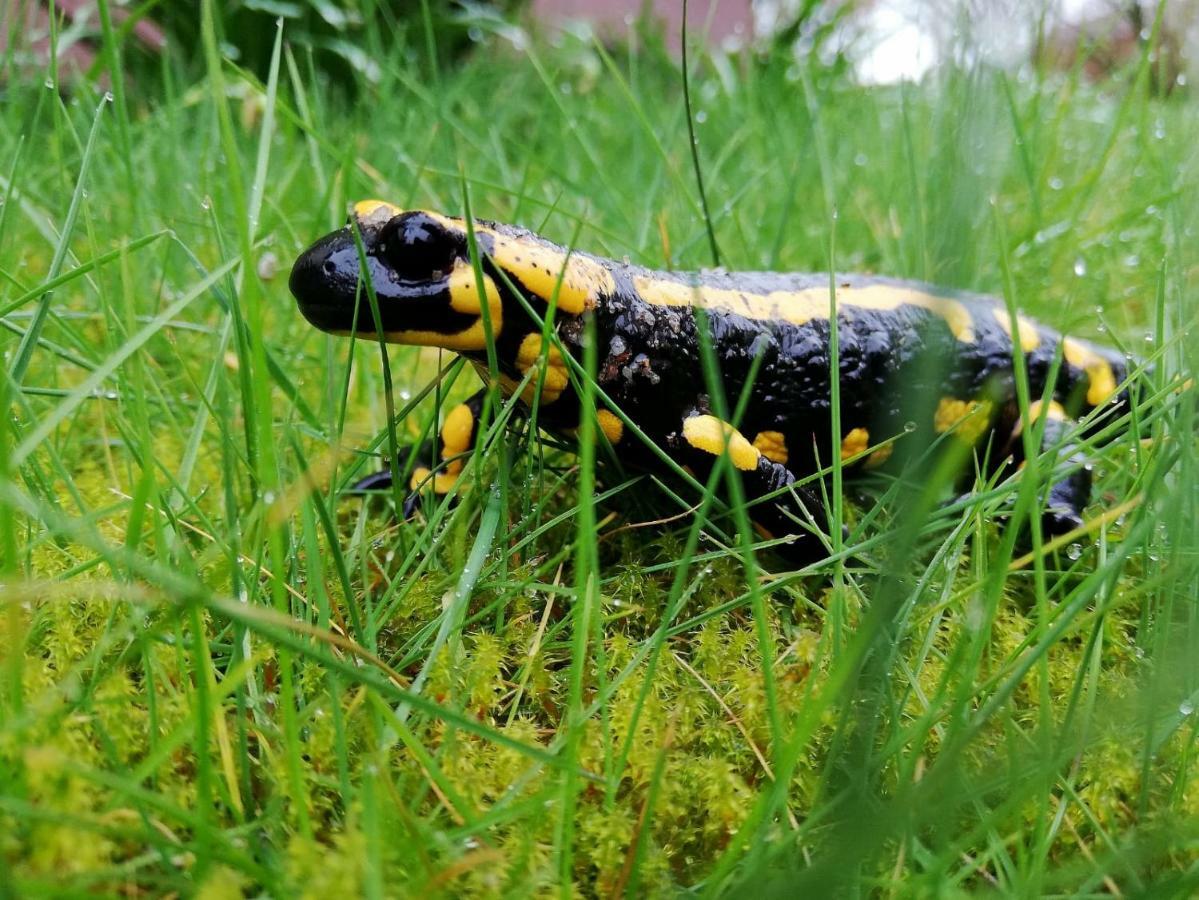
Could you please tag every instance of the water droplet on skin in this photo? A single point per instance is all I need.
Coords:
(1080, 267)
(1074, 551)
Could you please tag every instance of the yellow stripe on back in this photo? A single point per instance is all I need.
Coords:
(803, 306)
(1030, 339)
(538, 267)
(1101, 380)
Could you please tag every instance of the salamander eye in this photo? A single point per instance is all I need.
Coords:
(416, 247)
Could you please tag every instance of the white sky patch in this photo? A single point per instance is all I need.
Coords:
(896, 48)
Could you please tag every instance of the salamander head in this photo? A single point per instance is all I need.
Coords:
(422, 276)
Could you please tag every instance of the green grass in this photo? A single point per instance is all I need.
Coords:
(218, 675)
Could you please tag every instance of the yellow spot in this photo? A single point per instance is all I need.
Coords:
(810, 304)
(456, 432)
(1101, 380)
(1055, 411)
(556, 376)
(880, 456)
(370, 211)
(441, 483)
(855, 442)
(464, 293)
(1030, 339)
(611, 426)
(772, 445)
(711, 435)
(464, 298)
(968, 418)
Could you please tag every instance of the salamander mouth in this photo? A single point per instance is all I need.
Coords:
(324, 281)
(328, 288)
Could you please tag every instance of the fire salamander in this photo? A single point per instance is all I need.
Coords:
(915, 361)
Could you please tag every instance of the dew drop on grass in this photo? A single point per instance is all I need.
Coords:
(268, 497)
(1074, 551)
(909, 427)
(700, 117)
(1056, 184)
(1186, 707)
(860, 160)
(1080, 267)
(108, 97)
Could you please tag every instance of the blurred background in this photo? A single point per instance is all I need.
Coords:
(880, 41)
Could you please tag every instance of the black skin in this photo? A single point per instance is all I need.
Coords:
(895, 364)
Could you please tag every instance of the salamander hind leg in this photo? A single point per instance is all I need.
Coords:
(783, 508)
(434, 464)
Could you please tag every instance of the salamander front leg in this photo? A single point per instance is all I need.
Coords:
(704, 438)
(1069, 496)
(435, 464)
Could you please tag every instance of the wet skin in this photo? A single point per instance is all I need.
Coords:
(916, 362)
